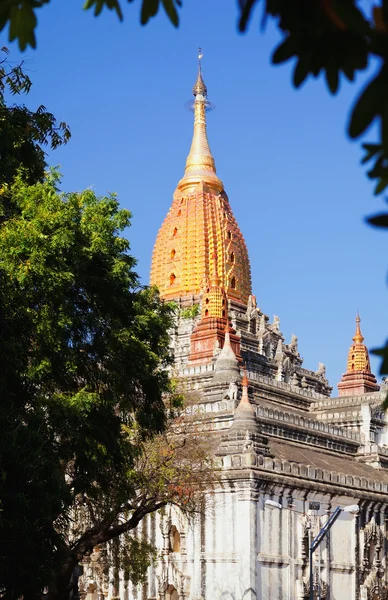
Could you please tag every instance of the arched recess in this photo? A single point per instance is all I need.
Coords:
(175, 539)
(172, 593)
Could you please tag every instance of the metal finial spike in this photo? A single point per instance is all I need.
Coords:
(199, 86)
(358, 338)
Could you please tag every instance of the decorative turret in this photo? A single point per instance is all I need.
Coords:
(214, 300)
(358, 378)
(244, 434)
(200, 235)
(227, 365)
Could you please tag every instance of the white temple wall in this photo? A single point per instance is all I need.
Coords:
(241, 549)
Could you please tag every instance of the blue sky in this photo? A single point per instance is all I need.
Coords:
(293, 178)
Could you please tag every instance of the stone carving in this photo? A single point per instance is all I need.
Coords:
(375, 588)
(321, 589)
(279, 352)
(248, 490)
(248, 443)
(95, 573)
(293, 345)
(373, 541)
(321, 370)
(275, 326)
(162, 580)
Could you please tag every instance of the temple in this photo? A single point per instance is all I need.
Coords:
(289, 453)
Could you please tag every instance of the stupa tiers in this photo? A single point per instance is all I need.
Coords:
(358, 378)
(276, 432)
(200, 235)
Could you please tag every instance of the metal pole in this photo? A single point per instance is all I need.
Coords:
(311, 571)
(314, 543)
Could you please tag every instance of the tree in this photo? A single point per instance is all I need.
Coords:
(24, 133)
(84, 388)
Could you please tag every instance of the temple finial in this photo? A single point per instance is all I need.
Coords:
(200, 165)
(358, 337)
(199, 88)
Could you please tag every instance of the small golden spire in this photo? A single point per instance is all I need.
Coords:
(358, 357)
(244, 384)
(358, 378)
(358, 337)
(200, 165)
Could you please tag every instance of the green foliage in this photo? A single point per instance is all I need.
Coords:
(133, 556)
(317, 42)
(24, 133)
(191, 312)
(83, 382)
(21, 15)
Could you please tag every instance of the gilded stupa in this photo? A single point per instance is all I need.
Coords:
(358, 378)
(200, 236)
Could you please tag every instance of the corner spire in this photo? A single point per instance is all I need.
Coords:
(358, 378)
(200, 165)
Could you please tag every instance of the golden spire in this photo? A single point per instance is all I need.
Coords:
(358, 357)
(358, 337)
(200, 249)
(358, 378)
(200, 165)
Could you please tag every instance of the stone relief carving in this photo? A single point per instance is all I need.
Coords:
(375, 588)
(321, 589)
(321, 370)
(293, 345)
(95, 573)
(275, 325)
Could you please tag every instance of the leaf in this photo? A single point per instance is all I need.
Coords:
(332, 78)
(381, 185)
(383, 352)
(301, 71)
(149, 9)
(367, 106)
(284, 51)
(379, 220)
(171, 11)
(348, 71)
(246, 7)
(371, 150)
(351, 17)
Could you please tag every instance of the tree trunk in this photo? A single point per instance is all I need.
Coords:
(61, 585)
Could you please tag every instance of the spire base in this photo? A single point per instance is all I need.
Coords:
(357, 383)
